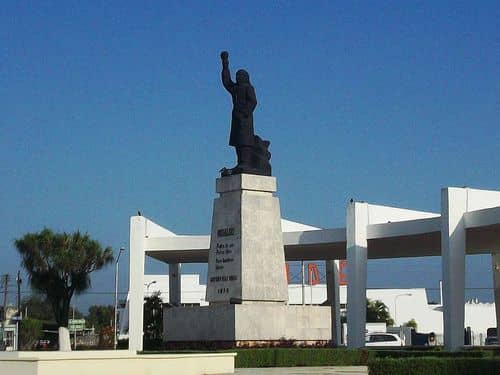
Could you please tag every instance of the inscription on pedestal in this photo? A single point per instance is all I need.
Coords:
(224, 274)
(224, 257)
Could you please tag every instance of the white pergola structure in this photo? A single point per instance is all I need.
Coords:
(469, 223)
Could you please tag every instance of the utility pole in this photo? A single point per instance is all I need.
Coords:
(115, 317)
(303, 283)
(4, 317)
(5, 286)
(19, 315)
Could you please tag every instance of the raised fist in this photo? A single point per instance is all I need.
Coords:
(224, 55)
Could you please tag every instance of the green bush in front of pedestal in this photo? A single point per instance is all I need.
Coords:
(321, 357)
(431, 353)
(434, 366)
(255, 358)
(290, 357)
(383, 361)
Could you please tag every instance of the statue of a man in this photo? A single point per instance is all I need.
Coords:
(252, 152)
(244, 103)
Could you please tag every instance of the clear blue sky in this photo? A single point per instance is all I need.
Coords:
(110, 109)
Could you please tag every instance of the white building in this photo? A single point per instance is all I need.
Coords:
(403, 304)
(468, 223)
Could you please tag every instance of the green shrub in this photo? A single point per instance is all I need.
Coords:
(30, 331)
(426, 353)
(151, 344)
(106, 338)
(400, 361)
(434, 366)
(255, 358)
(122, 344)
(290, 357)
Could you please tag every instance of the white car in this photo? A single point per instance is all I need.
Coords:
(382, 339)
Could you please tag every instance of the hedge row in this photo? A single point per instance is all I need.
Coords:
(434, 366)
(427, 353)
(290, 357)
(379, 361)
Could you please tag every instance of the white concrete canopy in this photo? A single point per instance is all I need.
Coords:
(386, 232)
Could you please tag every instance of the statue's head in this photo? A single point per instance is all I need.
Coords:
(242, 76)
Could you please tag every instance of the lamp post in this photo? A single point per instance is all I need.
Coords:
(395, 305)
(122, 249)
(148, 285)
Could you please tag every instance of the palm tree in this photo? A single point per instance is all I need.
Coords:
(377, 311)
(59, 266)
(153, 320)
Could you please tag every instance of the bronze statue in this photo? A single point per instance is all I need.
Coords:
(251, 151)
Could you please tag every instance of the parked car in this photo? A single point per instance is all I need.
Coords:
(491, 340)
(382, 339)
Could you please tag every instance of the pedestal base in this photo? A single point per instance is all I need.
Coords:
(255, 322)
(105, 362)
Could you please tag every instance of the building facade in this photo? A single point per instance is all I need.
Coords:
(468, 223)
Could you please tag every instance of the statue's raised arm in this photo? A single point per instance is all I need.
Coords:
(226, 75)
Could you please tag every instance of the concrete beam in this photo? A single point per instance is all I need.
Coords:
(314, 237)
(357, 259)
(404, 228)
(136, 283)
(333, 298)
(482, 218)
(174, 284)
(453, 207)
(495, 260)
(176, 243)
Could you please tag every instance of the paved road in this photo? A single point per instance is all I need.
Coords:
(337, 370)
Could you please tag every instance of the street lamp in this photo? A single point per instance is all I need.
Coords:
(148, 285)
(395, 305)
(122, 249)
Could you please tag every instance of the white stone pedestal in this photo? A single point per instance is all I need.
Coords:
(247, 287)
(246, 260)
(248, 323)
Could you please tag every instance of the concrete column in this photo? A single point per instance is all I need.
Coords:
(136, 283)
(332, 292)
(174, 283)
(357, 259)
(495, 259)
(453, 207)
